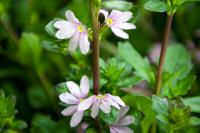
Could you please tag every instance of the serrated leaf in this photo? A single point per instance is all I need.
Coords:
(194, 103)
(117, 4)
(156, 6)
(140, 64)
(160, 106)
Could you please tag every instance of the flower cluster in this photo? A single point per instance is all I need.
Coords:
(78, 102)
(74, 30)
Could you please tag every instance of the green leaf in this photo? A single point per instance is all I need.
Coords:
(141, 65)
(19, 124)
(117, 4)
(53, 46)
(194, 121)
(156, 6)
(143, 104)
(183, 86)
(50, 28)
(111, 117)
(194, 103)
(177, 57)
(181, 2)
(160, 106)
(30, 49)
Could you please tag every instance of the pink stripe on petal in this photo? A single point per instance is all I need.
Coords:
(74, 88)
(120, 33)
(69, 111)
(68, 98)
(76, 118)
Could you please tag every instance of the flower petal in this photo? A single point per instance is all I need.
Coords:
(71, 17)
(74, 88)
(118, 100)
(84, 85)
(125, 121)
(76, 118)
(63, 24)
(69, 111)
(120, 33)
(84, 43)
(85, 104)
(123, 112)
(74, 41)
(120, 129)
(68, 98)
(114, 104)
(105, 106)
(95, 109)
(126, 26)
(65, 33)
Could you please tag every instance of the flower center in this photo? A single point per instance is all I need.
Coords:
(81, 100)
(109, 21)
(80, 28)
(100, 96)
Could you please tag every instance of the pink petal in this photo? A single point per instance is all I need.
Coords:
(119, 101)
(120, 33)
(127, 120)
(76, 118)
(68, 98)
(69, 111)
(74, 41)
(74, 88)
(65, 33)
(84, 85)
(125, 16)
(114, 104)
(85, 104)
(115, 14)
(95, 109)
(84, 43)
(71, 17)
(105, 106)
(123, 112)
(126, 26)
(120, 129)
(63, 24)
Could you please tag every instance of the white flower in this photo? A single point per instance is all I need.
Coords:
(74, 98)
(117, 21)
(72, 29)
(120, 126)
(103, 102)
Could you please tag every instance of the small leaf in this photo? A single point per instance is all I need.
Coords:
(111, 117)
(50, 28)
(194, 103)
(156, 6)
(160, 106)
(19, 124)
(117, 4)
(181, 2)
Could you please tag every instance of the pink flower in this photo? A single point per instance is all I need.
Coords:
(74, 98)
(117, 21)
(120, 126)
(102, 102)
(72, 29)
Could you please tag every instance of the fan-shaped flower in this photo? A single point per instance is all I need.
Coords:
(72, 29)
(123, 120)
(102, 102)
(117, 21)
(74, 98)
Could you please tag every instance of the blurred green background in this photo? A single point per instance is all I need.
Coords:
(30, 67)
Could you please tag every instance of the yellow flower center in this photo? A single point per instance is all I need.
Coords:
(81, 99)
(109, 21)
(100, 96)
(80, 28)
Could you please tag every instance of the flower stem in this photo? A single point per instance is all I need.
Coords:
(94, 10)
(163, 53)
